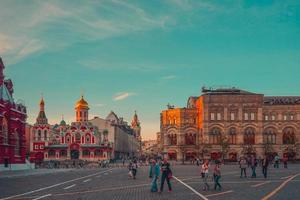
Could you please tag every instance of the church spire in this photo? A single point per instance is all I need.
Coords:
(42, 119)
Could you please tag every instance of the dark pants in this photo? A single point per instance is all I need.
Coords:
(265, 171)
(285, 164)
(253, 172)
(133, 173)
(164, 177)
(217, 183)
(276, 164)
(243, 170)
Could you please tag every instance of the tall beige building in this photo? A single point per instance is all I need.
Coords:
(229, 123)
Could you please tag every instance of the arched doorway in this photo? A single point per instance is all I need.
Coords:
(74, 154)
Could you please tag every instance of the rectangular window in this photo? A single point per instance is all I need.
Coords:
(266, 117)
(232, 116)
(292, 117)
(212, 116)
(218, 116)
(273, 117)
(246, 117)
(252, 116)
(284, 117)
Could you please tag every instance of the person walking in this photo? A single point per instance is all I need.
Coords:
(154, 175)
(285, 162)
(276, 161)
(134, 169)
(253, 166)
(166, 175)
(265, 164)
(217, 175)
(204, 174)
(243, 166)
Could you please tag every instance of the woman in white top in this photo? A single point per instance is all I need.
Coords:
(204, 174)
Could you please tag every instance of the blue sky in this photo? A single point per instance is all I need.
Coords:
(141, 55)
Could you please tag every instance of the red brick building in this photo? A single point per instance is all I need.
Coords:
(12, 127)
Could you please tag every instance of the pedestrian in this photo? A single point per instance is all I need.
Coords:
(154, 175)
(243, 166)
(285, 161)
(130, 169)
(204, 174)
(265, 163)
(253, 166)
(134, 169)
(217, 175)
(166, 175)
(276, 161)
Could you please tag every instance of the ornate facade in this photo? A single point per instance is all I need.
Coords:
(12, 127)
(79, 140)
(229, 123)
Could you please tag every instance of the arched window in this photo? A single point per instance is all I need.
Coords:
(45, 134)
(51, 153)
(39, 137)
(68, 138)
(173, 139)
(269, 136)
(288, 135)
(215, 136)
(249, 136)
(78, 138)
(190, 139)
(232, 135)
(63, 153)
(5, 131)
(86, 153)
(98, 152)
(87, 139)
(17, 146)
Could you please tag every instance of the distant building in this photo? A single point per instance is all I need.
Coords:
(12, 127)
(229, 123)
(79, 140)
(125, 139)
(150, 148)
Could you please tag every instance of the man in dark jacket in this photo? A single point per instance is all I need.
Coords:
(265, 164)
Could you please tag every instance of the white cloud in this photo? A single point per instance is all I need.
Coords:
(169, 77)
(122, 95)
(98, 105)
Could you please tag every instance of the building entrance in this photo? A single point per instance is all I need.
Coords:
(74, 154)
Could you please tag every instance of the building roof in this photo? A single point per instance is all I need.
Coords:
(82, 104)
(4, 94)
(231, 91)
(282, 100)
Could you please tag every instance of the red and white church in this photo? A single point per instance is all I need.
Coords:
(79, 140)
(12, 127)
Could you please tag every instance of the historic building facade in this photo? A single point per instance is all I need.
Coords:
(125, 139)
(12, 127)
(229, 123)
(79, 140)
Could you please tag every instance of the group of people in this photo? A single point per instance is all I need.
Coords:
(253, 162)
(216, 175)
(155, 170)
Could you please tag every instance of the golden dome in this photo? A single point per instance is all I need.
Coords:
(82, 104)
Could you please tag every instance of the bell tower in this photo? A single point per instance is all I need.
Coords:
(82, 110)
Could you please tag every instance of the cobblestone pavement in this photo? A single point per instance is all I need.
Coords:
(114, 184)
